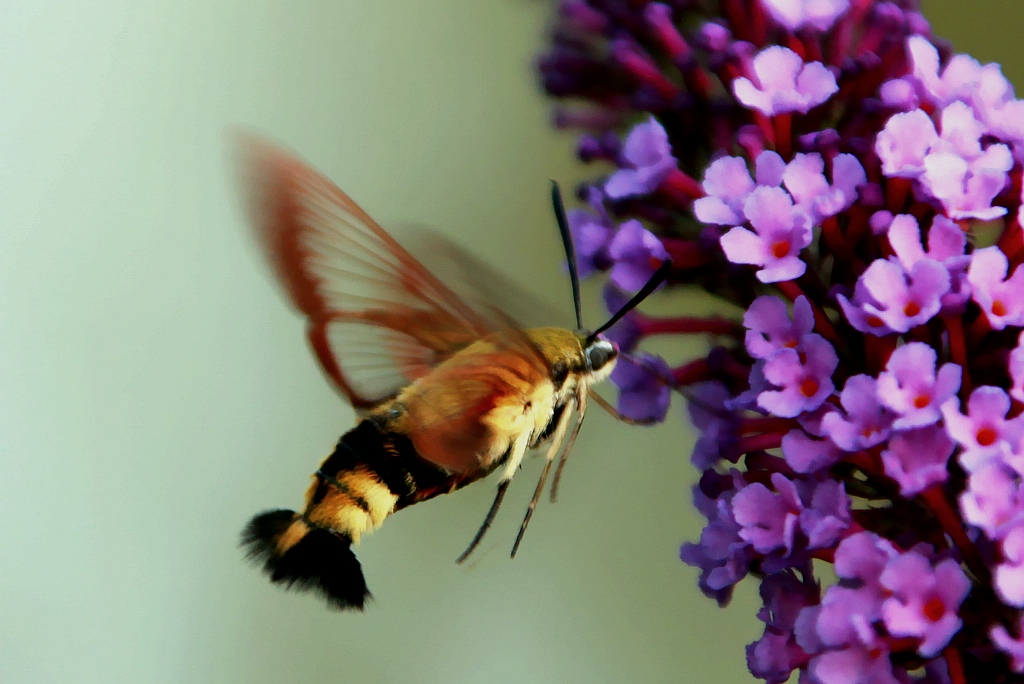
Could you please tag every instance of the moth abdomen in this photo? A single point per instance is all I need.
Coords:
(301, 555)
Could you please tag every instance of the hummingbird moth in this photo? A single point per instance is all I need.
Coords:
(448, 389)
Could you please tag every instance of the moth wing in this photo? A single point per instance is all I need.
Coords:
(377, 318)
(452, 419)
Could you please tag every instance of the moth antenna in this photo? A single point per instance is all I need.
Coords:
(570, 249)
(652, 284)
(499, 495)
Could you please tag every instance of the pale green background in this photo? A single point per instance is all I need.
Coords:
(155, 390)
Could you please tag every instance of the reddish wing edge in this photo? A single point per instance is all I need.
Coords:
(337, 266)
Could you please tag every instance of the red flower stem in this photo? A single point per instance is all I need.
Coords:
(867, 463)
(769, 440)
(681, 325)
(936, 500)
(797, 46)
(779, 425)
(834, 238)
(896, 191)
(955, 663)
(792, 291)
(736, 14)
(685, 254)
(878, 350)
(758, 25)
(698, 82)
(692, 373)
(859, 224)
(765, 124)
(644, 70)
(783, 125)
(759, 460)
(812, 47)
(958, 350)
(977, 332)
(1011, 242)
(684, 184)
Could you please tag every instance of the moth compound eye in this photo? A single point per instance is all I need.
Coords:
(599, 354)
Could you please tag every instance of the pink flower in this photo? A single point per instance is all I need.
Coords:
(784, 83)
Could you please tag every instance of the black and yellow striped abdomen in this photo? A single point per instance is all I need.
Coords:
(371, 473)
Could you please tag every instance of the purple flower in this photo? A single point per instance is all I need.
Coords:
(727, 183)
(770, 328)
(1009, 579)
(957, 80)
(984, 432)
(916, 459)
(966, 187)
(859, 312)
(784, 83)
(848, 611)
(768, 520)
(910, 386)
(785, 109)
(857, 663)
(805, 382)
(722, 556)
(1001, 298)
(647, 160)
(718, 426)
(992, 500)
(636, 254)
(904, 142)
(867, 422)
(644, 383)
(805, 180)
(953, 167)
(776, 654)
(946, 244)
(804, 454)
(1009, 645)
(592, 233)
(827, 516)
(925, 600)
(908, 299)
(796, 14)
(771, 521)
(781, 231)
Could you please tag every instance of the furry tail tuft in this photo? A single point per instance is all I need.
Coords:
(306, 558)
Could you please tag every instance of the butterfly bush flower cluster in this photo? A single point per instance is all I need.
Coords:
(835, 171)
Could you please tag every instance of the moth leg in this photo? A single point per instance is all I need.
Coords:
(613, 412)
(499, 495)
(549, 457)
(581, 411)
(515, 457)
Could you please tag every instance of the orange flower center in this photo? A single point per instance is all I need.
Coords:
(934, 609)
(875, 321)
(998, 308)
(922, 400)
(780, 249)
(911, 309)
(986, 436)
(809, 387)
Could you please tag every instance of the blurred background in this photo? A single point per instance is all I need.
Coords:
(156, 391)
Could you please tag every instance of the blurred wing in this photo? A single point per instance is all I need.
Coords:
(452, 419)
(378, 320)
